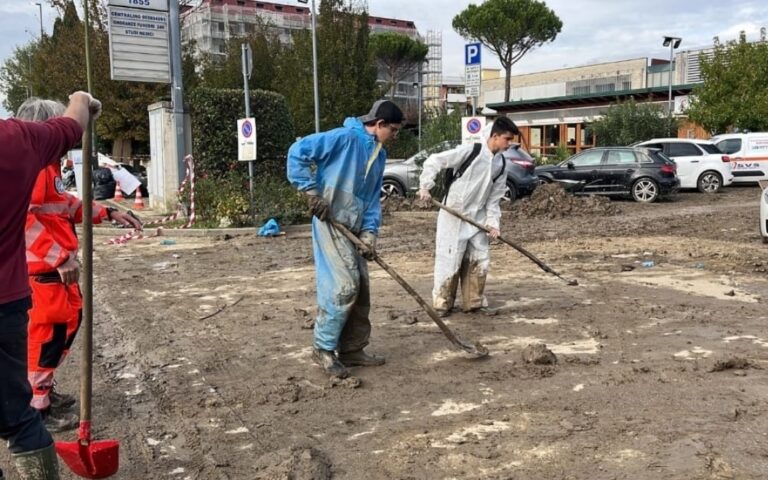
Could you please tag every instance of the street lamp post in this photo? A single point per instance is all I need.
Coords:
(419, 87)
(314, 65)
(672, 43)
(40, 7)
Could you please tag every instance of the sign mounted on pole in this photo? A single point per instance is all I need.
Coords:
(472, 66)
(138, 41)
(246, 139)
(471, 128)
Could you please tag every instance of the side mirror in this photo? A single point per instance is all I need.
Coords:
(570, 165)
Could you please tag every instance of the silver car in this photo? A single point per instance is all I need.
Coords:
(401, 177)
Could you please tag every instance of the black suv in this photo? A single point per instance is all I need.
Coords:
(643, 173)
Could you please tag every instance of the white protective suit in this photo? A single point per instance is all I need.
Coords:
(461, 250)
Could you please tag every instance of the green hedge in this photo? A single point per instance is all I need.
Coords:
(214, 114)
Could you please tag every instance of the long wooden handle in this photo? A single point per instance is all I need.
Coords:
(427, 308)
(512, 244)
(86, 328)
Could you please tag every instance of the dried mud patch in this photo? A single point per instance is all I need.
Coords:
(297, 463)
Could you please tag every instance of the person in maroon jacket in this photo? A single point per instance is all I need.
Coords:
(27, 148)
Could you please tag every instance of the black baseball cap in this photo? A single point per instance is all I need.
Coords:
(385, 110)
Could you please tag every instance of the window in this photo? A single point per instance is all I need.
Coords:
(626, 85)
(679, 149)
(709, 148)
(592, 157)
(581, 90)
(730, 145)
(607, 87)
(620, 157)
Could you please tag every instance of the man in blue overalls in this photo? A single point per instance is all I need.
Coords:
(345, 187)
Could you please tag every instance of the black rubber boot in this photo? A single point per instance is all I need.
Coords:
(329, 363)
(37, 464)
(361, 359)
(56, 422)
(60, 401)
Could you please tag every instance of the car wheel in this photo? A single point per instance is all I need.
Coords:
(510, 194)
(645, 190)
(543, 180)
(709, 182)
(391, 187)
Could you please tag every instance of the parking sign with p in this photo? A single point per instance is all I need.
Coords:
(472, 54)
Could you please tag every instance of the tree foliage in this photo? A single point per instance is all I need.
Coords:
(509, 28)
(400, 56)
(630, 122)
(734, 94)
(346, 68)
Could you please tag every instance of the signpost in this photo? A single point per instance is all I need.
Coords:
(246, 127)
(472, 68)
(138, 41)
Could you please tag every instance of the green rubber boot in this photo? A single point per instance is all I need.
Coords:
(37, 464)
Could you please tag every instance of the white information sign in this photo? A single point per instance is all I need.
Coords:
(246, 139)
(161, 5)
(138, 45)
(472, 80)
(471, 128)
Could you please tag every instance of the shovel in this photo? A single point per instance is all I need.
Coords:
(87, 458)
(512, 244)
(475, 349)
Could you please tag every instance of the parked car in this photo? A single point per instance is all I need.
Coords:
(700, 164)
(401, 177)
(748, 153)
(642, 173)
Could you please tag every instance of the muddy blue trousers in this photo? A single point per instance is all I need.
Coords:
(343, 292)
(20, 424)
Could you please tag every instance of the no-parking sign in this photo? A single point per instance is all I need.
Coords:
(246, 139)
(471, 128)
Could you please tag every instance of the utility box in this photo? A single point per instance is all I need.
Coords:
(166, 169)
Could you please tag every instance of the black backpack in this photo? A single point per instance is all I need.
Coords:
(451, 175)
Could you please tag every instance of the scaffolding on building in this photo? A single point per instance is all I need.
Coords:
(433, 71)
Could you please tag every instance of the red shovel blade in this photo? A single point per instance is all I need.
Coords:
(89, 459)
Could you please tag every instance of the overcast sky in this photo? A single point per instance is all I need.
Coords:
(593, 30)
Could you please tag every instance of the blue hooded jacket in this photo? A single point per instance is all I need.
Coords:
(341, 157)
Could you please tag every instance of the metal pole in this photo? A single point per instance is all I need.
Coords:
(421, 107)
(314, 69)
(246, 92)
(86, 372)
(177, 87)
(473, 105)
(671, 54)
(40, 6)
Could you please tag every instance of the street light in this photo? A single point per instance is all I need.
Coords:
(314, 66)
(418, 86)
(672, 43)
(40, 7)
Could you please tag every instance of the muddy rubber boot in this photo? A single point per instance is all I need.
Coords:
(361, 359)
(56, 422)
(329, 363)
(37, 464)
(60, 401)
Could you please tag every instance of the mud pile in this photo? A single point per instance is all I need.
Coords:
(395, 203)
(550, 200)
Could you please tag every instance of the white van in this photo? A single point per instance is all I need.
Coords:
(748, 153)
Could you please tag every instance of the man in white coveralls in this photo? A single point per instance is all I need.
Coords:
(476, 184)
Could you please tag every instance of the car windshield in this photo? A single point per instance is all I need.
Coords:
(709, 148)
(729, 145)
(421, 156)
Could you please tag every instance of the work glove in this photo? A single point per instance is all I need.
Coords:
(318, 206)
(369, 240)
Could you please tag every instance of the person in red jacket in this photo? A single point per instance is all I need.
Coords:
(27, 148)
(53, 274)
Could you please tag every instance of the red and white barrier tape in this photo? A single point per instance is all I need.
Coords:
(189, 178)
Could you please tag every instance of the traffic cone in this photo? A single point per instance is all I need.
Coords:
(118, 192)
(138, 203)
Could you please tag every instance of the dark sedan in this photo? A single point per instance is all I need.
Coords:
(401, 177)
(644, 174)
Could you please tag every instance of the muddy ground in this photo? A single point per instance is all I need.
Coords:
(661, 372)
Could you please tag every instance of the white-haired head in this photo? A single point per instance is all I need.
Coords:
(37, 109)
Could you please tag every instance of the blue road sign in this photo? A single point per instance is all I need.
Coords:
(474, 126)
(247, 129)
(472, 54)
